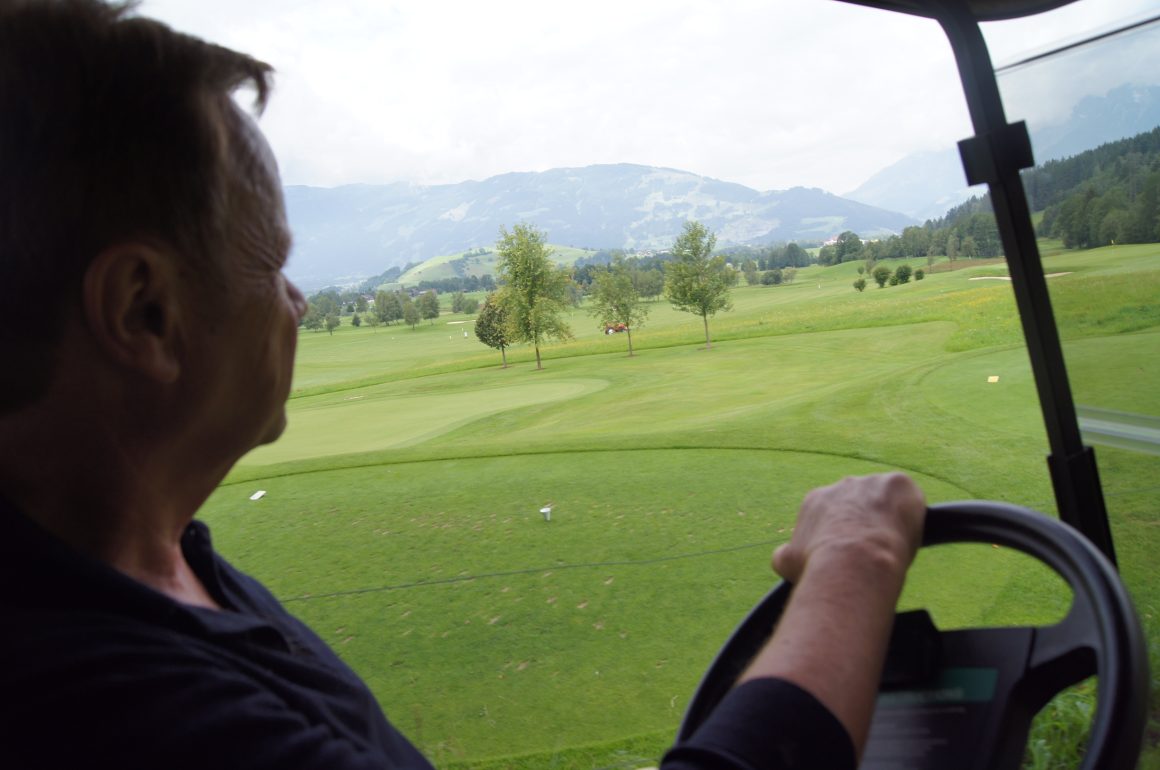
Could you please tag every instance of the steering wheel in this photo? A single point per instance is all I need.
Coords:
(965, 698)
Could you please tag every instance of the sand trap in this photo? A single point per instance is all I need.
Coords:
(1008, 278)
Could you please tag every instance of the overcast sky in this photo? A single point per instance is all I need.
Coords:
(768, 93)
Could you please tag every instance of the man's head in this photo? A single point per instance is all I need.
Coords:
(115, 130)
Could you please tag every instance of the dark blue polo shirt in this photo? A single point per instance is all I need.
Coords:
(98, 670)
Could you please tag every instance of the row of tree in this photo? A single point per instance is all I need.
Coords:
(883, 275)
(534, 292)
(647, 275)
(772, 257)
(968, 230)
(465, 283)
(393, 306)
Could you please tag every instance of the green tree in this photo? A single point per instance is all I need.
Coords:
(388, 307)
(616, 300)
(788, 274)
(429, 305)
(796, 256)
(695, 281)
(1113, 226)
(457, 300)
(968, 248)
(313, 319)
(848, 247)
(881, 275)
(373, 321)
(470, 305)
(919, 274)
(491, 326)
(650, 283)
(411, 313)
(327, 302)
(903, 273)
(360, 304)
(356, 321)
(535, 291)
(860, 284)
(332, 322)
(915, 241)
(772, 277)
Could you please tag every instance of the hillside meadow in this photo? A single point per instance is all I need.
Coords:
(402, 509)
(461, 265)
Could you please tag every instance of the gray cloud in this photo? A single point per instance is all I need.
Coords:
(768, 94)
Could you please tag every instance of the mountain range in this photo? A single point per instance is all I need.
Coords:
(924, 185)
(342, 234)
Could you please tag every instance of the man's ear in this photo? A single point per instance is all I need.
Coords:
(131, 304)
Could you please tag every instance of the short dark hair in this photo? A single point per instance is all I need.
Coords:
(112, 127)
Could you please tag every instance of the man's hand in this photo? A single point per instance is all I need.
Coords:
(871, 517)
(847, 560)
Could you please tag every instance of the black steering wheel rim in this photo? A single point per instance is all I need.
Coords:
(1101, 622)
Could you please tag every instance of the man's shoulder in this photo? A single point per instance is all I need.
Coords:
(48, 643)
(139, 695)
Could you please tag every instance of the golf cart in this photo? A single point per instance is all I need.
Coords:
(966, 698)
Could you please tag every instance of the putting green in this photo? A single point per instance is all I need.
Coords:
(996, 389)
(992, 390)
(399, 414)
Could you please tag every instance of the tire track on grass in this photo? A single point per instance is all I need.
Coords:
(526, 571)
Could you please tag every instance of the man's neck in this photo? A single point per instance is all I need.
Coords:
(110, 502)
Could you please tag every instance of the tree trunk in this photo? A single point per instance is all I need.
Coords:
(503, 355)
(538, 364)
(708, 344)
(629, 332)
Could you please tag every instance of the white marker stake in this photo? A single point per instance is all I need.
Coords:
(993, 378)
(258, 495)
(547, 511)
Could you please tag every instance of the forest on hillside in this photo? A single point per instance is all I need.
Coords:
(1107, 195)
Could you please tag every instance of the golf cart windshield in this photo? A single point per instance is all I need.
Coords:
(581, 539)
(1094, 103)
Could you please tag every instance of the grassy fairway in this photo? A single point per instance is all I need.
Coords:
(402, 515)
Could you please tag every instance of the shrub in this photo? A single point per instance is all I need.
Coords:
(893, 280)
(919, 274)
(903, 274)
(881, 275)
(860, 284)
